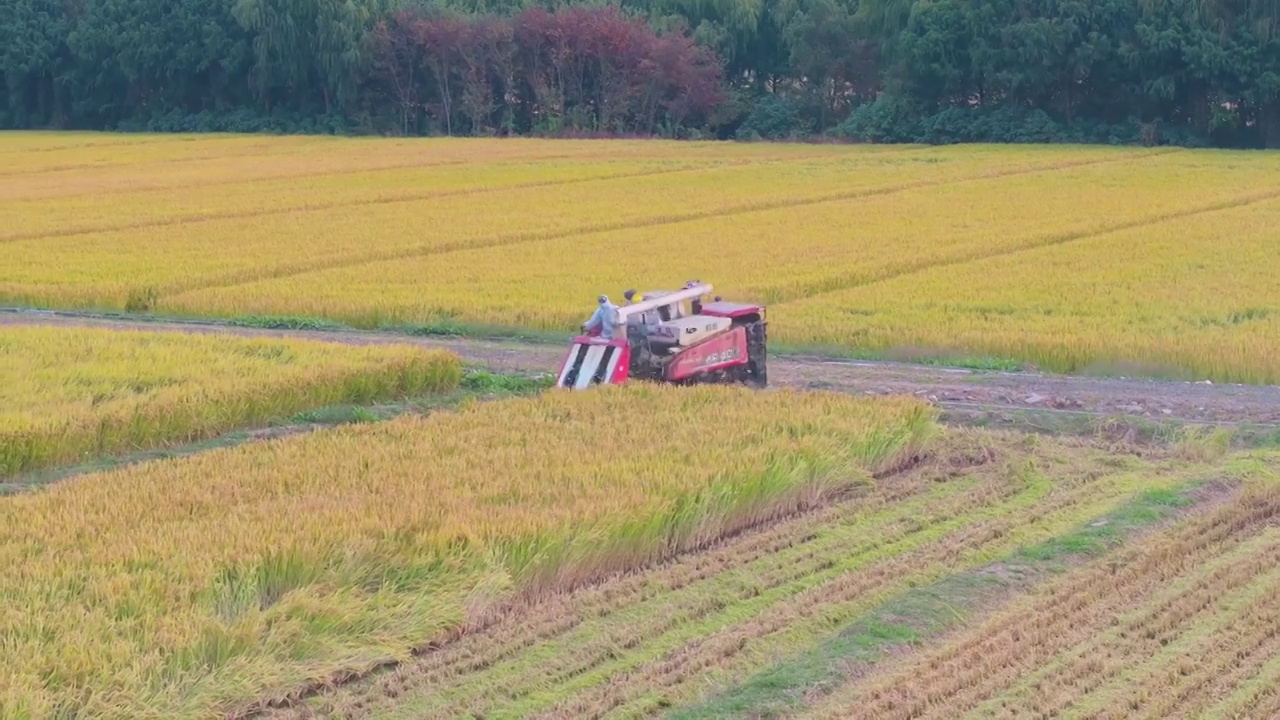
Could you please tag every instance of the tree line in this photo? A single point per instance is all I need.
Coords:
(1190, 72)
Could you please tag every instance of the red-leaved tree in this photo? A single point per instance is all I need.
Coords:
(575, 70)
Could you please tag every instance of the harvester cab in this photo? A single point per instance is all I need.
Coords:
(673, 337)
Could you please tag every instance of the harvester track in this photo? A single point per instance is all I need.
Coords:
(1060, 400)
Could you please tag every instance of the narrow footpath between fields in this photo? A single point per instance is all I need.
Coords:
(999, 396)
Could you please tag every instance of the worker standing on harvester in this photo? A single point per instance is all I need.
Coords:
(644, 320)
(605, 317)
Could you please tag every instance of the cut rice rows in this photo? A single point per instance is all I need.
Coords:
(689, 633)
(1184, 624)
(184, 587)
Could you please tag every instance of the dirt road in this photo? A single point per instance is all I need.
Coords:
(955, 389)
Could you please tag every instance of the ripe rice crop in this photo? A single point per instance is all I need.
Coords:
(74, 394)
(1194, 296)
(1052, 255)
(177, 587)
(357, 220)
(775, 256)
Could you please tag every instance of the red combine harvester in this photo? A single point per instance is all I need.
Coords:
(673, 337)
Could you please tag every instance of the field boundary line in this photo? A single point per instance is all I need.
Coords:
(392, 199)
(285, 152)
(521, 238)
(402, 197)
(250, 151)
(290, 176)
(1236, 203)
(514, 159)
(116, 140)
(286, 425)
(395, 197)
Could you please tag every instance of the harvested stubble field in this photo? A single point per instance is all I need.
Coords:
(1115, 583)
(1185, 624)
(186, 587)
(1069, 258)
(71, 395)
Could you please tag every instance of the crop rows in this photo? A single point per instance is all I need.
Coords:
(638, 644)
(76, 394)
(92, 164)
(115, 266)
(1191, 295)
(1066, 257)
(779, 253)
(261, 564)
(1167, 628)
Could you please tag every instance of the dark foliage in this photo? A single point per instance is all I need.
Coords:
(581, 69)
(1193, 72)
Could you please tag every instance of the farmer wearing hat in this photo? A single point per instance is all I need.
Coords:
(605, 317)
(645, 320)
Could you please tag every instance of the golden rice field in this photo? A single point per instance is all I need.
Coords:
(77, 394)
(1069, 258)
(188, 587)
(1002, 576)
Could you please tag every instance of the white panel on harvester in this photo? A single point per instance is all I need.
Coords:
(594, 355)
(568, 366)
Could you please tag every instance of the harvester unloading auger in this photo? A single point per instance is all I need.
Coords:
(672, 337)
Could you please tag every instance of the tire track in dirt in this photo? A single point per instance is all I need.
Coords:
(505, 240)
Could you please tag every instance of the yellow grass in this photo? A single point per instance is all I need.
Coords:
(852, 247)
(74, 394)
(175, 588)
